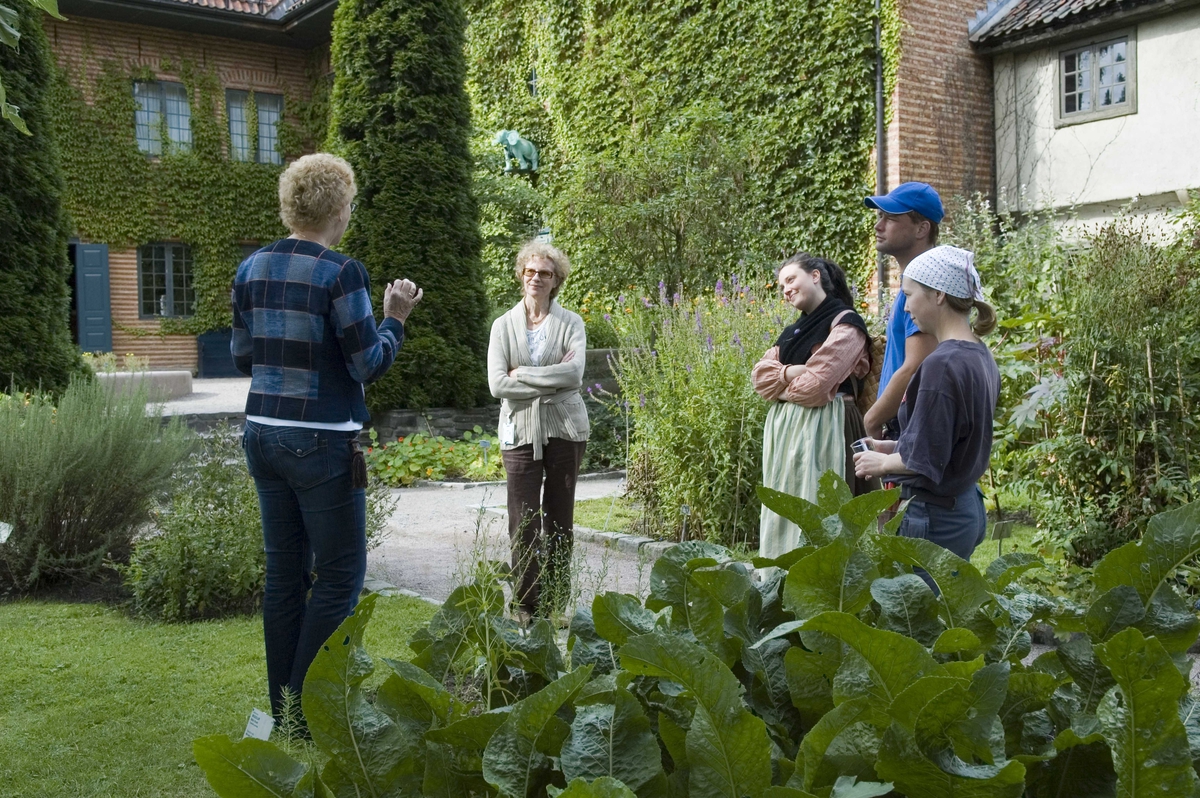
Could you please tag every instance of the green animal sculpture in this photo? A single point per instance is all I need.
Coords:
(517, 149)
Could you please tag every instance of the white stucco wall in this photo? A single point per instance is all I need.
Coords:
(1091, 169)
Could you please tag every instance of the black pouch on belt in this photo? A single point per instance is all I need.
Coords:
(358, 466)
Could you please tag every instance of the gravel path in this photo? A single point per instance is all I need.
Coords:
(437, 532)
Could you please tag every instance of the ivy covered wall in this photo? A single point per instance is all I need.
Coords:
(788, 83)
(118, 196)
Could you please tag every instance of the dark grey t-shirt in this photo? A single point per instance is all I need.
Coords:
(946, 418)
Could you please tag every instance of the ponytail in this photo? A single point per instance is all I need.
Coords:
(985, 318)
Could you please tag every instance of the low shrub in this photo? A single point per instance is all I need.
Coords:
(205, 557)
(475, 457)
(77, 479)
(835, 671)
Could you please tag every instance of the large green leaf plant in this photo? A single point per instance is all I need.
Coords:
(10, 36)
(833, 671)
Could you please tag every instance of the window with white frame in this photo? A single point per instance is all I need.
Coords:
(1097, 80)
(162, 108)
(165, 281)
(268, 109)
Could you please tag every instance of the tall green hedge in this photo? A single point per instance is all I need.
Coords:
(35, 338)
(794, 79)
(399, 113)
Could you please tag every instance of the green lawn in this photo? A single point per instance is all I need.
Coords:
(94, 703)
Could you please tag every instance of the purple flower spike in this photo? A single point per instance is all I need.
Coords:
(642, 399)
(689, 368)
(737, 339)
(675, 298)
(646, 302)
(708, 342)
(621, 299)
(597, 387)
(589, 390)
(720, 287)
(608, 317)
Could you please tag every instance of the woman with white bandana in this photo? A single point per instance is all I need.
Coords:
(946, 415)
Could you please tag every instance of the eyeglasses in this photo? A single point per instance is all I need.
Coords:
(531, 273)
(353, 207)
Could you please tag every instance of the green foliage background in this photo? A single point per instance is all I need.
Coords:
(400, 115)
(36, 349)
(675, 114)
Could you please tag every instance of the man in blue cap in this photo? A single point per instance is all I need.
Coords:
(908, 222)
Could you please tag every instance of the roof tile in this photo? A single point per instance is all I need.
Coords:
(1029, 16)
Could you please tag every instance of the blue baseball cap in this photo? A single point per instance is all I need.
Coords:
(919, 197)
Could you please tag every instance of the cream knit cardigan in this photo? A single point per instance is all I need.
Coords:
(540, 402)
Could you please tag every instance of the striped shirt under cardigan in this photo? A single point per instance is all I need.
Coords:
(304, 331)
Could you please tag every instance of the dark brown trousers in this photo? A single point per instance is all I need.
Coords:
(541, 521)
(855, 429)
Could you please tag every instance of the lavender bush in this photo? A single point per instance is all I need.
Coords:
(684, 370)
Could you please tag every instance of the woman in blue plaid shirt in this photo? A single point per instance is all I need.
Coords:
(304, 331)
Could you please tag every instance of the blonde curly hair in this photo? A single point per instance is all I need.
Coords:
(552, 255)
(314, 189)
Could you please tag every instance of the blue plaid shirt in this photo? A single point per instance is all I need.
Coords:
(304, 331)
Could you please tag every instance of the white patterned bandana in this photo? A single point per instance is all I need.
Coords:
(947, 269)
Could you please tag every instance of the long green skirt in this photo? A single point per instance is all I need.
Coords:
(799, 445)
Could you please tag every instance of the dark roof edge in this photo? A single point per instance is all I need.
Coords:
(986, 19)
(1042, 36)
(302, 26)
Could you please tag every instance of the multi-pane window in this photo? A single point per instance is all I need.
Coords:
(1097, 80)
(239, 125)
(242, 144)
(162, 108)
(270, 109)
(165, 281)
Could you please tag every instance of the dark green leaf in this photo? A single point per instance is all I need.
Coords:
(517, 758)
(604, 787)
(1115, 610)
(10, 21)
(1172, 539)
(893, 660)
(834, 578)
(1091, 678)
(1170, 619)
(1004, 569)
(728, 752)
(370, 749)
(612, 739)
(1140, 718)
(860, 514)
(249, 768)
(953, 641)
(810, 673)
(963, 589)
(618, 617)
(804, 514)
(586, 645)
(832, 493)
(966, 719)
(811, 763)
(902, 763)
(472, 732)
(908, 607)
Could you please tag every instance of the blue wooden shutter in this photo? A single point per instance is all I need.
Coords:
(91, 297)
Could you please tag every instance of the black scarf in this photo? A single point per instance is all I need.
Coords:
(796, 343)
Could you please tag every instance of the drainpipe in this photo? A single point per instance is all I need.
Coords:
(880, 160)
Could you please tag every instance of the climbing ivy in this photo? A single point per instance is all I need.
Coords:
(119, 196)
(795, 80)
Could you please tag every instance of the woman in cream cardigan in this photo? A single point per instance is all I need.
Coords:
(535, 367)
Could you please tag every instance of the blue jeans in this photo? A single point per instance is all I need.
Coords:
(959, 529)
(314, 525)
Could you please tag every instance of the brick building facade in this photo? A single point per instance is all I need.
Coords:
(941, 130)
(261, 50)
